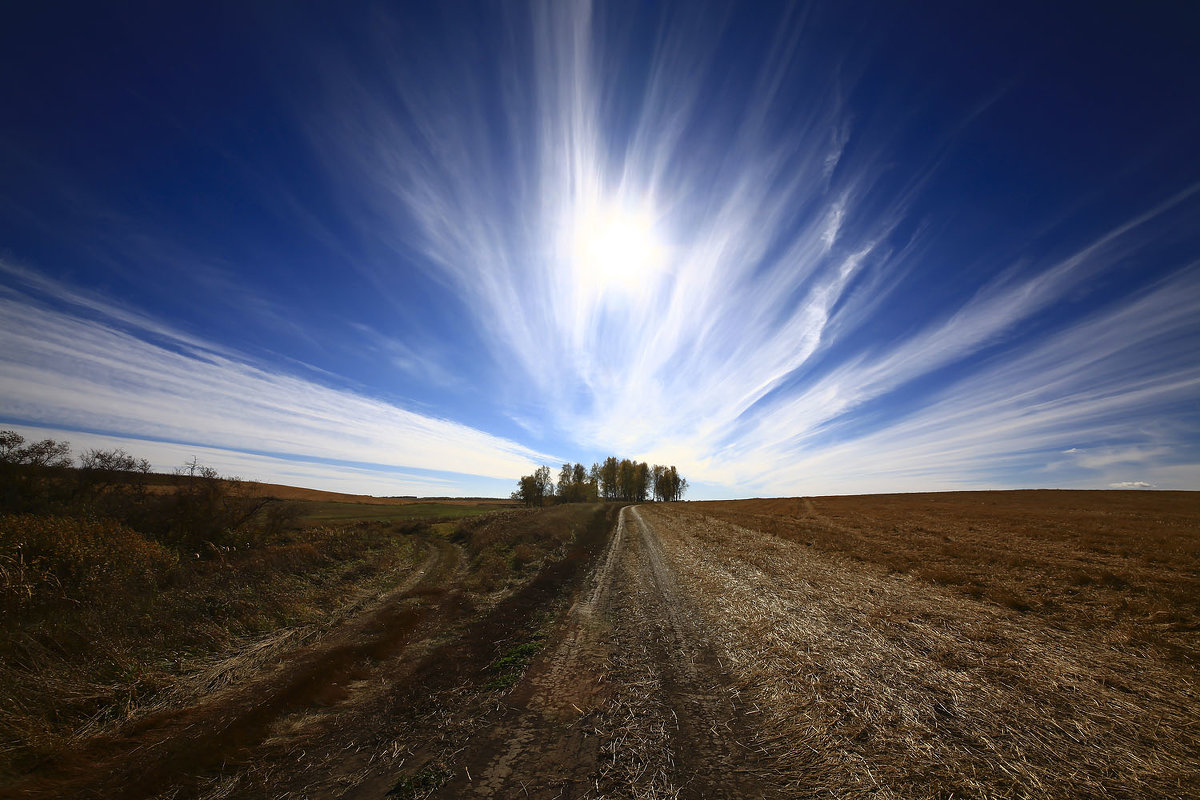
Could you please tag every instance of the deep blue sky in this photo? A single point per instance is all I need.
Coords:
(792, 249)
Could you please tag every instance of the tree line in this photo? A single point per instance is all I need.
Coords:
(614, 479)
(201, 512)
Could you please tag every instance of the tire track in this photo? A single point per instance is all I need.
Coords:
(169, 753)
(628, 700)
(706, 732)
(544, 744)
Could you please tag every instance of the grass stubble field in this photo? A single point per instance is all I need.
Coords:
(999, 644)
(990, 644)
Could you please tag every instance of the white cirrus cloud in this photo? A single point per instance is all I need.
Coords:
(63, 368)
(790, 319)
(748, 359)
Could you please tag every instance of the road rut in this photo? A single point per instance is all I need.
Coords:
(628, 700)
(627, 697)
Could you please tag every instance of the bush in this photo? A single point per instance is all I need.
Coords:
(31, 475)
(206, 513)
(113, 484)
(47, 559)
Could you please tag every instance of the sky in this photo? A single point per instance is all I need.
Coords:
(792, 249)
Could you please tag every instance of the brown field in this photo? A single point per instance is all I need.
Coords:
(987, 645)
(1015, 644)
(168, 483)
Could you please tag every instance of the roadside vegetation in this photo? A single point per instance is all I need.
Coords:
(507, 545)
(401, 669)
(101, 624)
(118, 587)
(612, 480)
(331, 512)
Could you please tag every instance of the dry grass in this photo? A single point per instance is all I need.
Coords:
(505, 546)
(987, 645)
(77, 657)
(635, 725)
(161, 483)
(635, 759)
(332, 656)
(335, 513)
(1100, 561)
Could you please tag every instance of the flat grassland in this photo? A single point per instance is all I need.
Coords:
(316, 506)
(161, 483)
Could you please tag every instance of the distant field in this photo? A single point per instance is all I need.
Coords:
(159, 483)
(317, 507)
(315, 512)
(1093, 558)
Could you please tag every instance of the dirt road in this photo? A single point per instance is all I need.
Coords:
(256, 700)
(628, 699)
(615, 694)
(982, 645)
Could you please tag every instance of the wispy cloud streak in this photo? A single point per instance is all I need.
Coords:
(755, 258)
(742, 361)
(1110, 393)
(810, 319)
(78, 370)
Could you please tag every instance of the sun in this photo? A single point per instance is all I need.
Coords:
(617, 249)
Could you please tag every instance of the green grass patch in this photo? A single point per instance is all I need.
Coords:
(509, 668)
(422, 784)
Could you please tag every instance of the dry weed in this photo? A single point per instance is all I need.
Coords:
(636, 762)
(885, 684)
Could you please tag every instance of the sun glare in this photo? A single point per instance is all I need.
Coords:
(617, 249)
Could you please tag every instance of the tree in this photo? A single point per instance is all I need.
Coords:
(625, 480)
(594, 482)
(614, 479)
(667, 483)
(526, 492)
(533, 490)
(676, 485)
(641, 480)
(566, 477)
(545, 483)
(609, 474)
(573, 486)
(32, 476)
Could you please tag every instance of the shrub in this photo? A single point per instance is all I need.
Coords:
(31, 475)
(523, 555)
(206, 512)
(45, 559)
